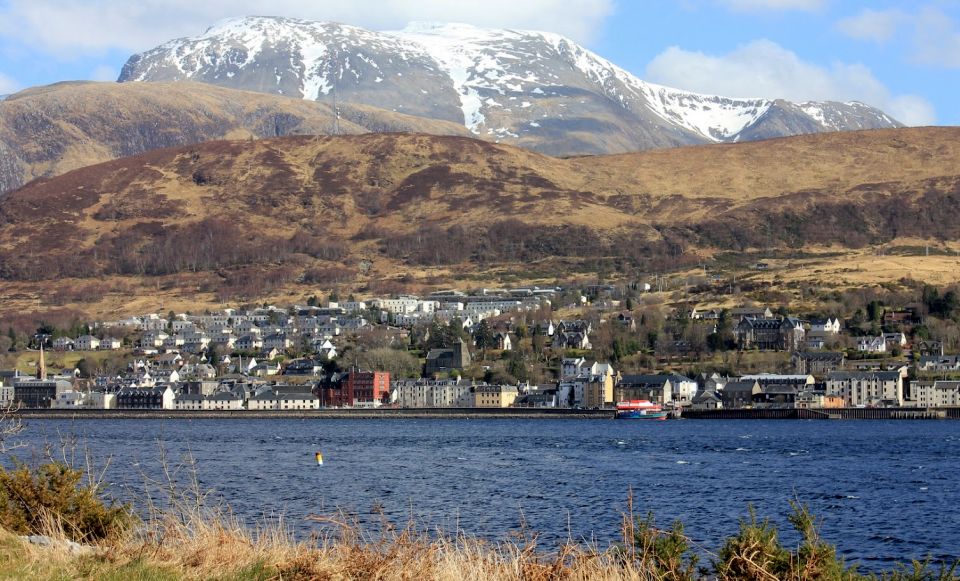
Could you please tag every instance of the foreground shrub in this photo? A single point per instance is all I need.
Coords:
(666, 554)
(53, 498)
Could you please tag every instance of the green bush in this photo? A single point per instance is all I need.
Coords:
(52, 495)
(665, 552)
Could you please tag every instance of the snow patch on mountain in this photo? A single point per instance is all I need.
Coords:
(501, 80)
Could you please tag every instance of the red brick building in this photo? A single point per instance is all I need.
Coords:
(357, 388)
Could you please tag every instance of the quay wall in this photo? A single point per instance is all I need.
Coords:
(498, 413)
(378, 413)
(826, 414)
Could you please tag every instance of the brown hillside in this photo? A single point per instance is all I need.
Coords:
(47, 131)
(355, 208)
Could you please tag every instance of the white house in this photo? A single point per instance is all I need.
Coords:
(830, 325)
(570, 367)
(6, 395)
(326, 350)
(684, 389)
(897, 339)
(195, 340)
(68, 399)
(404, 305)
(111, 344)
(271, 400)
(251, 342)
(279, 341)
(102, 401)
(188, 402)
(153, 338)
(224, 400)
(63, 344)
(354, 306)
(87, 343)
(872, 344)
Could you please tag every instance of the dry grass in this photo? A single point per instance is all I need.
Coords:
(221, 548)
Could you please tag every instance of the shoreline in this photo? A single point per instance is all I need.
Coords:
(332, 414)
(491, 413)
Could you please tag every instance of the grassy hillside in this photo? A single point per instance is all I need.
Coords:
(47, 131)
(246, 219)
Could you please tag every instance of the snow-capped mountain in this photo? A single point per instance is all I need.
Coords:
(534, 89)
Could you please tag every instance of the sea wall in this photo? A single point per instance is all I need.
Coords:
(501, 413)
(826, 414)
(379, 413)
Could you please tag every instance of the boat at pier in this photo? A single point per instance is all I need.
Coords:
(640, 409)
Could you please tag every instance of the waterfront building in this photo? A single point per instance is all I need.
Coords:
(740, 393)
(188, 402)
(68, 399)
(494, 396)
(272, 400)
(157, 398)
(871, 389)
(38, 394)
(367, 388)
(935, 393)
(656, 388)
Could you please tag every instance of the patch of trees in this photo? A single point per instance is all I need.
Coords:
(319, 247)
(329, 275)
(878, 218)
(249, 283)
(943, 306)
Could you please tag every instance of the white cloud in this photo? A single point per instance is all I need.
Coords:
(103, 73)
(766, 69)
(66, 27)
(936, 36)
(937, 39)
(8, 85)
(746, 5)
(911, 110)
(876, 25)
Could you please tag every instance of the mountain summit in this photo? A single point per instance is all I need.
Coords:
(533, 89)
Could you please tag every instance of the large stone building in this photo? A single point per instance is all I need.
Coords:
(446, 360)
(770, 334)
(818, 362)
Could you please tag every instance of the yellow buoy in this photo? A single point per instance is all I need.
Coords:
(319, 459)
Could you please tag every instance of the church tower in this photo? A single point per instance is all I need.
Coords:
(41, 365)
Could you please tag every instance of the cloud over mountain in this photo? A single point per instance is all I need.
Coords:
(765, 69)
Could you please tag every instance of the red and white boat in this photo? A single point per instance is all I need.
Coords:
(640, 409)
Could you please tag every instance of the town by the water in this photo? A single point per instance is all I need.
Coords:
(506, 348)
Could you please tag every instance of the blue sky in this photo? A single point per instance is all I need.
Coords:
(901, 56)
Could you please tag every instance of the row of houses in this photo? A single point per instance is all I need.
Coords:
(165, 397)
(594, 385)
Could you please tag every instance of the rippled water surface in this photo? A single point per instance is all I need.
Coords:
(886, 491)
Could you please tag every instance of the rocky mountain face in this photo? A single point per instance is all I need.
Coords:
(47, 131)
(533, 89)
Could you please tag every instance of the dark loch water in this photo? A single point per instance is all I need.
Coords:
(886, 491)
